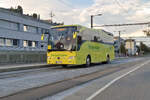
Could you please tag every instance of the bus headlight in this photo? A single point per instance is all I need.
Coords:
(71, 57)
(48, 57)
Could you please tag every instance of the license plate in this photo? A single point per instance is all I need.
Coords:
(58, 62)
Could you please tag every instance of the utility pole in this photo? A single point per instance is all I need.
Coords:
(119, 41)
(91, 21)
(52, 15)
(92, 16)
(130, 40)
(119, 44)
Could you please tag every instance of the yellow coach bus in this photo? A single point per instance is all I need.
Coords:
(76, 45)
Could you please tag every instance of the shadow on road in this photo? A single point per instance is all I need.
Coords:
(78, 66)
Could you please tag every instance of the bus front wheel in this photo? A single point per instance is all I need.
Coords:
(108, 59)
(64, 66)
(88, 61)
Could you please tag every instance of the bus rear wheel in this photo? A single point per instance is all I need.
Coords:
(88, 61)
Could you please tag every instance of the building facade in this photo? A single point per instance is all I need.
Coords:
(144, 39)
(21, 33)
(130, 45)
(20, 38)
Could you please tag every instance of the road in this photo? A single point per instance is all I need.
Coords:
(135, 86)
(56, 83)
(132, 83)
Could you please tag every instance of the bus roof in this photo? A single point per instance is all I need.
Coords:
(82, 27)
(64, 26)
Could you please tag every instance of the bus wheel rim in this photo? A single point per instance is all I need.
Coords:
(88, 61)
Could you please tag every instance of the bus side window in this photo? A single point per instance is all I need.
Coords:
(79, 39)
(95, 39)
(79, 42)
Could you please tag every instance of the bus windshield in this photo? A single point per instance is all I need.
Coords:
(62, 38)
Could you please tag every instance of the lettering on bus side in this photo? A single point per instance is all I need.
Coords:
(94, 47)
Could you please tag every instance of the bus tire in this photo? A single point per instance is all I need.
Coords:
(108, 59)
(88, 61)
(64, 66)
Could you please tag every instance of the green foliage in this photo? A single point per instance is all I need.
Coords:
(144, 48)
(122, 49)
(35, 15)
(138, 49)
(18, 10)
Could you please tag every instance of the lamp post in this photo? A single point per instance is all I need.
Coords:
(92, 19)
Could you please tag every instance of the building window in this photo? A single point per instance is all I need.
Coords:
(8, 42)
(14, 26)
(47, 30)
(32, 29)
(25, 43)
(2, 41)
(37, 30)
(34, 44)
(42, 31)
(15, 42)
(8, 25)
(30, 43)
(25, 28)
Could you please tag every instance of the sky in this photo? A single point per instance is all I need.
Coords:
(79, 12)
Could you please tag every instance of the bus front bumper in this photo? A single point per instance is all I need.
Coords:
(61, 58)
(61, 62)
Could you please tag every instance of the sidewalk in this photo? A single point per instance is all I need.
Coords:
(16, 67)
(122, 57)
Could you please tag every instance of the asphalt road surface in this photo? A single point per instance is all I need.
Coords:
(73, 83)
(132, 83)
(134, 86)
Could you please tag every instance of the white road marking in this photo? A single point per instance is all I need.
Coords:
(113, 81)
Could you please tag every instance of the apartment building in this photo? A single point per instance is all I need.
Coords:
(20, 38)
(21, 33)
(130, 45)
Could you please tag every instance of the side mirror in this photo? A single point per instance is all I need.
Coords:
(74, 35)
(49, 47)
(42, 37)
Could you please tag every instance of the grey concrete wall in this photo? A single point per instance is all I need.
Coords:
(12, 57)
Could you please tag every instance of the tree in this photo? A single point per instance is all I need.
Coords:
(122, 49)
(35, 15)
(147, 32)
(138, 49)
(144, 48)
(13, 9)
(19, 9)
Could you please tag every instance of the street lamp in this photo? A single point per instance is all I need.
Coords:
(92, 19)
(119, 41)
